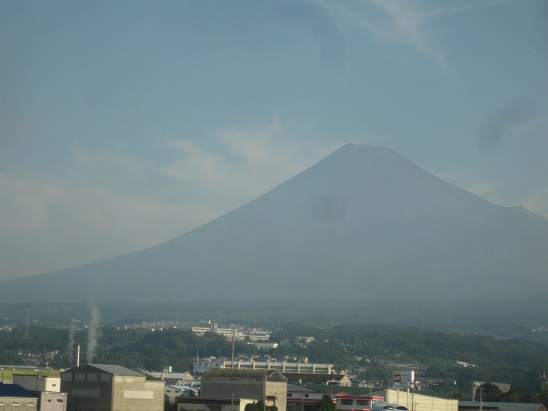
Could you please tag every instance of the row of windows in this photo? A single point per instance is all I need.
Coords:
(18, 403)
(346, 401)
(81, 376)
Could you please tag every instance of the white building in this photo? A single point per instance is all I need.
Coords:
(236, 333)
(284, 367)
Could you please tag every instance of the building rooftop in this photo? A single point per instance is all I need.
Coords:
(227, 372)
(15, 390)
(313, 378)
(341, 390)
(111, 369)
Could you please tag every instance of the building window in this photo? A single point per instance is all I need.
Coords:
(16, 403)
(30, 404)
(59, 400)
(289, 395)
(346, 402)
(362, 402)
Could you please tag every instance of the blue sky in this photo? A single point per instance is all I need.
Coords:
(124, 124)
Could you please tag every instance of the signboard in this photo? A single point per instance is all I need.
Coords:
(403, 377)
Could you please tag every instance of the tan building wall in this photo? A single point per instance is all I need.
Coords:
(92, 388)
(213, 404)
(418, 402)
(18, 403)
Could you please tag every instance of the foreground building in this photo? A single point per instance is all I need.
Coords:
(212, 404)
(499, 406)
(14, 397)
(268, 386)
(47, 388)
(419, 402)
(305, 396)
(94, 387)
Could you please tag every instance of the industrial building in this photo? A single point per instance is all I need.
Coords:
(47, 388)
(93, 387)
(14, 397)
(269, 386)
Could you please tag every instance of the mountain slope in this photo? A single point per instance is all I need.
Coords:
(363, 224)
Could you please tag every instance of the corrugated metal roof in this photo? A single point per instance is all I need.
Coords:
(15, 390)
(111, 369)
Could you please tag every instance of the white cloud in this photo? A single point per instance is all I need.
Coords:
(249, 162)
(537, 202)
(401, 22)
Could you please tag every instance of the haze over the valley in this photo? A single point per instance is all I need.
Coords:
(124, 125)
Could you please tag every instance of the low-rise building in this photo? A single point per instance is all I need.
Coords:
(14, 397)
(303, 397)
(212, 404)
(419, 402)
(38, 382)
(46, 387)
(93, 387)
(269, 386)
(175, 378)
(499, 406)
(283, 367)
(326, 379)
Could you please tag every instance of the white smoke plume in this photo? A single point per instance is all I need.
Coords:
(93, 328)
(70, 346)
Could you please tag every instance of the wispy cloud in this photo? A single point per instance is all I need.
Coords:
(537, 202)
(247, 163)
(400, 22)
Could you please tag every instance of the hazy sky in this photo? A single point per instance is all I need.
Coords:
(126, 123)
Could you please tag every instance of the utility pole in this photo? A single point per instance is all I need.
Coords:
(302, 395)
(232, 332)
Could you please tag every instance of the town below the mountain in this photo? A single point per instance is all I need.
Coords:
(209, 365)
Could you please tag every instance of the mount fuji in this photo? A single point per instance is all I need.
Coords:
(362, 225)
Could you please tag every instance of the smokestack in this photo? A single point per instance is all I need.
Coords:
(78, 356)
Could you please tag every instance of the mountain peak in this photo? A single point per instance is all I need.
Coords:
(362, 221)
